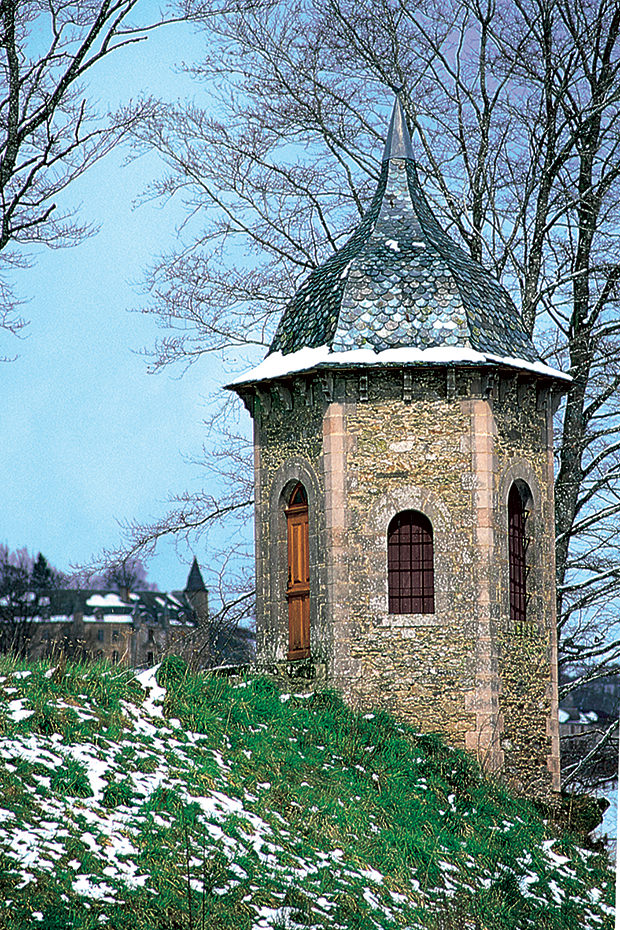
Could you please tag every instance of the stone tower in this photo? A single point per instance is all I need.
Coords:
(404, 488)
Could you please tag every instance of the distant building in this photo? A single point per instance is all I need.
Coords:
(133, 628)
(597, 699)
(137, 628)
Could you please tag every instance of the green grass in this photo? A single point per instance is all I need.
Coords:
(231, 805)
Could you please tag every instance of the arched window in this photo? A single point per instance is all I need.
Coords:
(411, 583)
(298, 582)
(517, 549)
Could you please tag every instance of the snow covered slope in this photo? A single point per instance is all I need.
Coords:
(198, 803)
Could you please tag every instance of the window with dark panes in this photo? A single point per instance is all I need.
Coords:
(517, 548)
(411, 576)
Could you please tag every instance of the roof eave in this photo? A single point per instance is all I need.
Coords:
(276, 367)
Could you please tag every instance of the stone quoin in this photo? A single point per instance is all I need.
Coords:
(403, 437)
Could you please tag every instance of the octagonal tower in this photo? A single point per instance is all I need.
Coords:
(404, 488)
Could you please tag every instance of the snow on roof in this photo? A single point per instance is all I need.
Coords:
(53, 618)
(106, 600)
(109, 618)
(277, 365)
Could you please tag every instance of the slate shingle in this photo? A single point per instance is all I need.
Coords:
(400, 281)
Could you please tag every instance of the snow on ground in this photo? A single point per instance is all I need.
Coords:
(163, 754)
(111, 835)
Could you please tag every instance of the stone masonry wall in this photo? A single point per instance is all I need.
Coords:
(288, 447)
(409, 455)
(461, 670)
(367, 446)
(528, 657)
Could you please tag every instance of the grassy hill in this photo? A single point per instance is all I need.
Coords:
(194, 802)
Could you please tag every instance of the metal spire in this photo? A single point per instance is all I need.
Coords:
(398, 142)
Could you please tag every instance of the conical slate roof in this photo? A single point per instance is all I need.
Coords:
(194, 579)
(400, 281)
(399, 292)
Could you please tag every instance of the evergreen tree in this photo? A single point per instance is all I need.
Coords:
(42, 576)
(25, 584)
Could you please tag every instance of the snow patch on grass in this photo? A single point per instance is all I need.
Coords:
(257, 804)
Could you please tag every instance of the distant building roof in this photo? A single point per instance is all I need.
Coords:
(194, 579)
(400, 290)
(108, 607)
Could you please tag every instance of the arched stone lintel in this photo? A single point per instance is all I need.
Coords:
(519, 470)
(289, 474)
(410, 497)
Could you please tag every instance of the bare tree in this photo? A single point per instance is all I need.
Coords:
(124, 575)
(228, 468)
(516, 109)
(223, 637)
(49, 131)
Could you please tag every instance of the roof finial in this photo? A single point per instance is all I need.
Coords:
(398, 142)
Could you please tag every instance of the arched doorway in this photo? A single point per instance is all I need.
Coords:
(298, 583)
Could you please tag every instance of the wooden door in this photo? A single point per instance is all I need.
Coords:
(298, 584)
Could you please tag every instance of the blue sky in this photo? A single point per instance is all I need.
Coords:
(90, 438)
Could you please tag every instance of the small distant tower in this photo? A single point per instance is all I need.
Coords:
(197, 593)
(404, 488)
